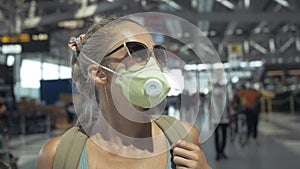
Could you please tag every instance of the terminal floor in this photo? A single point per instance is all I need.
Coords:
(278, 146)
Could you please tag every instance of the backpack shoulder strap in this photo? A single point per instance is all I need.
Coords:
(172, 128)
(72, 142)
(69, 149)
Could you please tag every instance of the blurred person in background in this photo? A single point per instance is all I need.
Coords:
(2, 106)
(9, 161)
(250, 98)
(222, 124)
(3, 128)
(3, 165)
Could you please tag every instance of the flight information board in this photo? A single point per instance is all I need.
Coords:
(24, 42)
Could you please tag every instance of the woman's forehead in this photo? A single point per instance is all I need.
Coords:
(129, 31)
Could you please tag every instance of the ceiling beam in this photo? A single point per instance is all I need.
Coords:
(186, 3)
(231, 26)
(247, 17)
(84, 12)
(237, 16)
(204, 6)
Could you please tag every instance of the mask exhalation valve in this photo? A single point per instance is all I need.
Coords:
(153, 87)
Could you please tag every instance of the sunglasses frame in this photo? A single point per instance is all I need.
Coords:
(125, 44)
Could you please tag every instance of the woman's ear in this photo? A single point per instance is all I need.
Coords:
(97, 74)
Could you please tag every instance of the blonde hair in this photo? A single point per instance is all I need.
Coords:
(95, 44)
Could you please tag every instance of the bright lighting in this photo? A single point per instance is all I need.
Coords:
(174, 5)
(239, 31)
(10, 60)
(256, 64)
(212, 33)
(206, 91)
(283, 3)
(243, 64)
(226, 3)
(175, 80)
(235, 79)
(247, 3)
(201, 67)
(28, 78)
(218, 66)
(13, 48)
(65, 72)
(71, 24)
(50, 71)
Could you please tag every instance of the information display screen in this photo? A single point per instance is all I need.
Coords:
(24, 42)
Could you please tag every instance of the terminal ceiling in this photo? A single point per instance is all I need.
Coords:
(267, 29)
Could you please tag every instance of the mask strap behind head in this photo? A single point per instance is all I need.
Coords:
(75, 44)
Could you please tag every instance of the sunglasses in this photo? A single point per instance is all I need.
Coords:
(2, 104)
(140, 54)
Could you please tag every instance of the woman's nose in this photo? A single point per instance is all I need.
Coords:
(129, 61)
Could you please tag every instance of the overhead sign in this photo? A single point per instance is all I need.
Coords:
(18, 38)
(24, 42)
(11, 49)
(235, 54)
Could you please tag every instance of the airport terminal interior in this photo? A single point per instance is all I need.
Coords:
(233, 67)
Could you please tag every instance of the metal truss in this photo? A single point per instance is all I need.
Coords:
(267, 29)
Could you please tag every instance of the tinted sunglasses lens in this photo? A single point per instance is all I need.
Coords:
(138, 52)
(160, 54)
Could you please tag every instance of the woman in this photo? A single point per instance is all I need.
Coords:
(114, 62)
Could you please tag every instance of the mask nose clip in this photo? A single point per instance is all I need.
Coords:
(153, 87)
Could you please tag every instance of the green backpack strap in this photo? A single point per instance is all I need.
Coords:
(72, 142)
(69, 149)
(172, 128)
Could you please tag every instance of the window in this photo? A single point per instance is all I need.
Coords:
(50, 71)
(30, 74)
(65, 72)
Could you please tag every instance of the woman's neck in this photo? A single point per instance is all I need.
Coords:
(117, 133)
(130, 124)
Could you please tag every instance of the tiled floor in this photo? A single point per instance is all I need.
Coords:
(279, 147)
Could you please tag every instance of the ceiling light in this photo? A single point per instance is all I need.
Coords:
(285, 28)
(257, 30)
(194, 3)
(235, 79)
(226, 3)
(10, 60)
(247, 3)
(174, 5)
(71, 24)
(212, 33)
(256, 63)
(283, 3)
(243, 64)
(239, 31)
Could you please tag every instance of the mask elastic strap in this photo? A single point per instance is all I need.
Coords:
(103, 67)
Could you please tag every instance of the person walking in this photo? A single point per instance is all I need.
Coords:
(251, 101)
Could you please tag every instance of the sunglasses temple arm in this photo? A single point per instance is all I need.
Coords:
(108, 69)
(103, 67)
